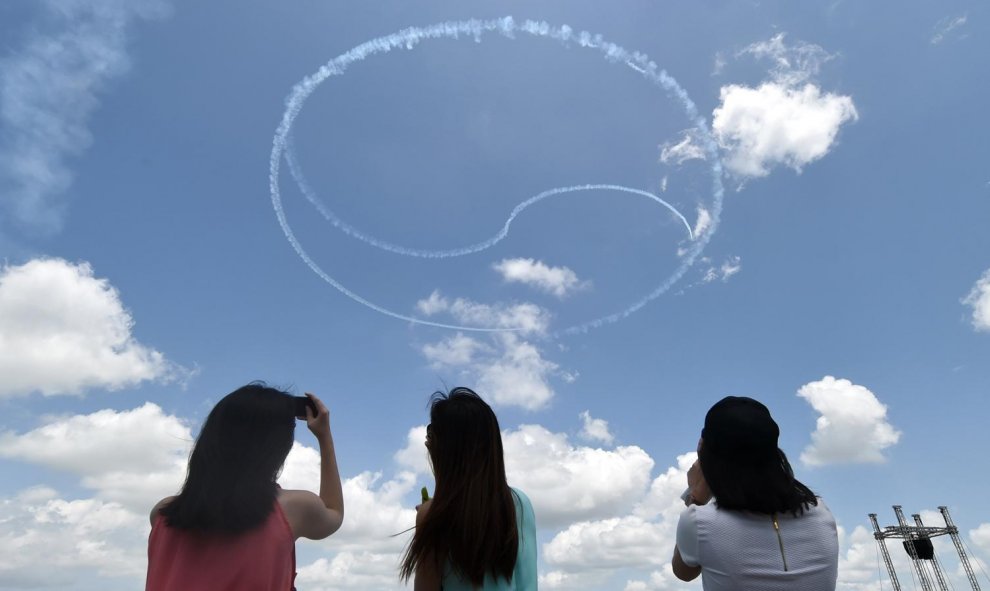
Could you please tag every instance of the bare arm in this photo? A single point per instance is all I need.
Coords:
(683, 571)
(427, 577)
(311, 516)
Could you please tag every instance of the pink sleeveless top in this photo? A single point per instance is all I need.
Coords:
(263, 559)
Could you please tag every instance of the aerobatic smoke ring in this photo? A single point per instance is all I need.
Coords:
(408, 39)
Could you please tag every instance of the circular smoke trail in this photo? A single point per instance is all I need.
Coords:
(475, 29)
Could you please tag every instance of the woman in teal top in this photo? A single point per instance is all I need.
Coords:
(477, 533)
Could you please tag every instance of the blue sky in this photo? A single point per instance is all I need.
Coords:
(846, 285)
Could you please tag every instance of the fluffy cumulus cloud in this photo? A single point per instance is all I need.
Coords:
(352, 571)
(981, 537)
(978, 300)
(774, 124)
(49, 541)
(595, 429)
(414, 456)
(132, 457)
(641, 539)
(852, 426)
(787, 120)
(50, 86)
(63, 330)
(129, 459)
(559, 281)
(506, 369)
(568, 482)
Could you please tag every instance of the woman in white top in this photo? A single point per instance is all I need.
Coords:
(765, 530)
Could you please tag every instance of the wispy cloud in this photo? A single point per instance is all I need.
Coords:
(730, 267)
(559, 281)
(787, 120)
(978, 300)
(525, 317)
(946, 27)
(49, 88)
(689, 148)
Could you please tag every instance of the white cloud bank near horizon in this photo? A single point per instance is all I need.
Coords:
(64, 331)
(609, 514)
(786, 121)
(50, 86)
(852, 426)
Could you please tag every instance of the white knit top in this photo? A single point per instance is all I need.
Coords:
(741, 551)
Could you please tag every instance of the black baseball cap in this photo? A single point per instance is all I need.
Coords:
(739, 427)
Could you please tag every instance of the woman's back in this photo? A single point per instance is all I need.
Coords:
(524, 575)
(742, 551)
(261, 559)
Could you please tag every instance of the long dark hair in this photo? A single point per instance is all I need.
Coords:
(760, 485)
(472, 520)
(230, 485)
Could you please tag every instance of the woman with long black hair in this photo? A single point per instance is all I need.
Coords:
(765, 531)
(232, 528)
(476, 533)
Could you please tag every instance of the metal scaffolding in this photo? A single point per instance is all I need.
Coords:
(917, 542)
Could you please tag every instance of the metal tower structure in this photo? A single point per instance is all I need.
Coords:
(917, 542)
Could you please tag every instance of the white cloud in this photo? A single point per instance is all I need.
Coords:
(364, 571)
(559, 281)
(374, 506)
(49, 88)
(684, 150)
(794, 63)
(62, 331)
(703, 223)
(414, 455)
(776, 124)
(723, 272)
(47, 541)
(519, 377)
(853, 425)
(979, 300)
(981, 537)
(527, 318)
(642, 538)
(511, 371)
(947, 26)
(568, 482)
(457, 350)
(133, 457)
(595, 429)
(787, 120)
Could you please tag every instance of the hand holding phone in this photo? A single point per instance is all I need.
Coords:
(301, 404)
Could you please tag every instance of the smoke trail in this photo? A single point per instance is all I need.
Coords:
(408, 39)
(296, 171)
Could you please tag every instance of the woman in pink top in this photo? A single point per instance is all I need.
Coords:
(232, 528)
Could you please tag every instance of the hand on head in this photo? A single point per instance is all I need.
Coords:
(318, 423)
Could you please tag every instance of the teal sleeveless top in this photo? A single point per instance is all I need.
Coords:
(524, 575)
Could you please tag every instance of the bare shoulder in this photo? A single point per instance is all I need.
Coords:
(158, 507)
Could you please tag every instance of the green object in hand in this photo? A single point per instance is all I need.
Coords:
(426, 494)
